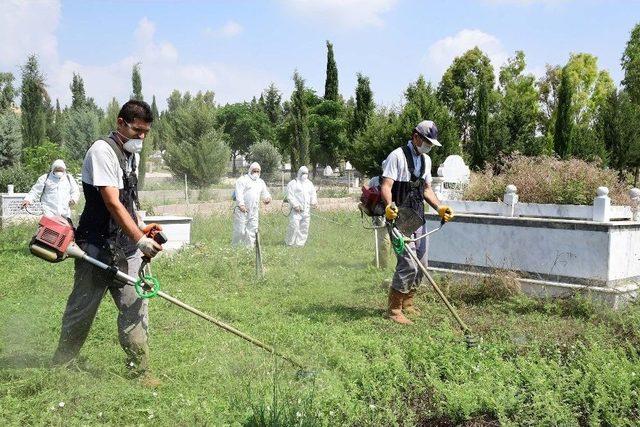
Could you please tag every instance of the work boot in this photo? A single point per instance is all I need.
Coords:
(408, 305)
(395, 307)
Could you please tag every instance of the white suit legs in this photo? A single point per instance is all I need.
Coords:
(298, 230)
(245, 226)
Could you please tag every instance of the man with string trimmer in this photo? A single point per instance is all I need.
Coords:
(110, 231)
(406, 184)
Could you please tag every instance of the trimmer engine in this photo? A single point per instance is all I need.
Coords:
(52, 239)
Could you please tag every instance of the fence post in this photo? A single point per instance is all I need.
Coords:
(510, 200)
(634, 194)
(602, 205)
(186, 189)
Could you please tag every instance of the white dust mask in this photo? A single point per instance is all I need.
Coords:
(133, 145)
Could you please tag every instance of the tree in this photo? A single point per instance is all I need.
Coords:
(548, 87)
(33, 104)
(81, 129)
(195, 146)
(480, 140)
(631, 65)
(10, 139)
(266, 155)
(55, 123)
(328, 126)
(154, 109)
(244, 125)
(514, 126)
(271, 104)
(136, 83)
(459, 87)
(331, 81)
(108, 122)
(7, 91)
(374, 143)
(78, 96)
(299, 116)
(564, 118)
(364, 106)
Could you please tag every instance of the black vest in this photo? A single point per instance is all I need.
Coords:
(96, 224)
(410, 194)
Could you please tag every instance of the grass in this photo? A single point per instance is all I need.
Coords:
(567, 362)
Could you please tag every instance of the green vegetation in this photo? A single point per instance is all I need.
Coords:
(567, 362)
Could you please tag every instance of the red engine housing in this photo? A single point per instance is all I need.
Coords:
(54, 232)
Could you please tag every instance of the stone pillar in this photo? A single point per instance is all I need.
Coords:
(10, 189)
(634, 194)
(602, 205)
(510, 200)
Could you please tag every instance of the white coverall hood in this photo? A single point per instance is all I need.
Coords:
(58, 164)
(303, 170)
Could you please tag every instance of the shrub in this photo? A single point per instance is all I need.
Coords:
(20, 177)
(203, 159)
(544, 179)
(39, 159)
(10, 139)
(267, 155)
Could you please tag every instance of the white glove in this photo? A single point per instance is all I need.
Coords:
(148, 246)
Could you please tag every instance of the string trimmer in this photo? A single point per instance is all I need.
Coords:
(54, 243)
(399, 242)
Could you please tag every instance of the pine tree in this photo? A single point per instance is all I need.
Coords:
(33, 104)
(136, 82)
(564, 120)
(78, 96)
(331, 82)
(272, 104)
(364, 106)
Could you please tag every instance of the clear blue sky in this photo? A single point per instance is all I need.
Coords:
(236, 48)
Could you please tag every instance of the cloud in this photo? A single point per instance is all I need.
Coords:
(28, 27)
(162, 71)
(441, 54)
(228, 30)
(349, 14)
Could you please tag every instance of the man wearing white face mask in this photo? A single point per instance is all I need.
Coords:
(406, 182)
(110, 231)
(57, 191)
(301, 195)
(249, 189)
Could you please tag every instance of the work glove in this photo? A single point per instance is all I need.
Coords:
(151, 229)
(391, 212)
(148, 246)
(242, 208)
(445, 212)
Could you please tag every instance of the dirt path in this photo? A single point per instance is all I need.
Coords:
(217, 208)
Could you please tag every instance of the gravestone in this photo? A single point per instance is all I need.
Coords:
(327, 171)
(12, 211)
(453, 178)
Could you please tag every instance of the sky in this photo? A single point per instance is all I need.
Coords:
(237, 48)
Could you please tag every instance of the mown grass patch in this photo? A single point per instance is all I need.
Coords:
(567, 362)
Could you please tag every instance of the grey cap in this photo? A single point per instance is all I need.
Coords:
(427, 129)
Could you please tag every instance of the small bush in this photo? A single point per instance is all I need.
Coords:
(266, 155)
(544, 179)
(20, 177)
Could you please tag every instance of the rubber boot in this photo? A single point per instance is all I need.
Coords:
(408, 305)
(395, 307)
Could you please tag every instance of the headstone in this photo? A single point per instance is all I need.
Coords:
(347, 166)
(454, 174)
(12, 211)
(327, 171)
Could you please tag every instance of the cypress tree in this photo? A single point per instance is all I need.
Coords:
(300, 143)
(154, 109)
(481, 134)
(78, 96)
(564, 124)
(331, 82)
(364, 106)
(33, 104)
(136, 82)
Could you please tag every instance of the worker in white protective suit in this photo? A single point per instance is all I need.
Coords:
(57, 191)
(301, 195)
(250, 188)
